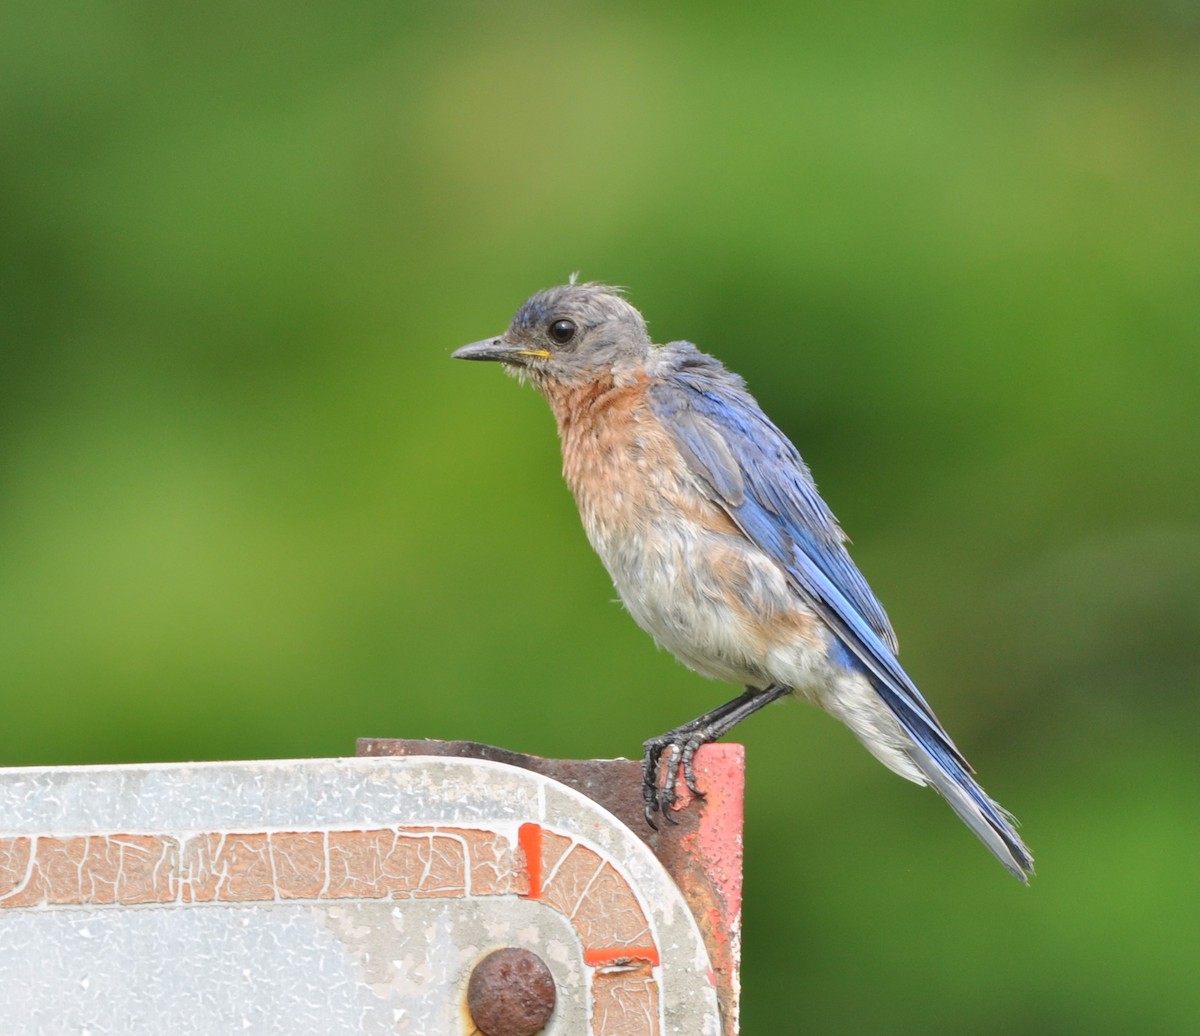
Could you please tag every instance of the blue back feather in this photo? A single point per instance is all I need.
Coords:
(771, 495)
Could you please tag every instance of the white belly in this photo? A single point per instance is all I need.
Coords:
(716, 603)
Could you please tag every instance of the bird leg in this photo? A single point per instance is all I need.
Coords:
(683, 743)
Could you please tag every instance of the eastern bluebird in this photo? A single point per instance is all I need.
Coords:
(720, 546)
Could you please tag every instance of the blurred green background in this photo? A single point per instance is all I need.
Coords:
(251, 509)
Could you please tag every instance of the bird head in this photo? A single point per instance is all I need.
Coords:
(567, 337)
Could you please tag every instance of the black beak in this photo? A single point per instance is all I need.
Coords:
(500, 350)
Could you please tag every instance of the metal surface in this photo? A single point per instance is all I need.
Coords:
(702, 851)
(298, 897)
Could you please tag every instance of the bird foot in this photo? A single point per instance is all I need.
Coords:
(668, 757)
(679, 747)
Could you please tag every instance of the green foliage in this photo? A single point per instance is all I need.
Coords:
(251, 509)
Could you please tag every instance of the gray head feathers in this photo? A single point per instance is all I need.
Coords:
(574, 331)
(590, 305)
(577, 334)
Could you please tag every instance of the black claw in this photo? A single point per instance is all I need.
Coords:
(658, 792)
(690, 748)
(653, 750)
(666, 785)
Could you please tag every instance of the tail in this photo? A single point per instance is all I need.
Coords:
(929, 750)
(992, 824)
(901, 731)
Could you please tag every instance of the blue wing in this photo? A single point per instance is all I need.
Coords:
(759, 478)
(755, 474)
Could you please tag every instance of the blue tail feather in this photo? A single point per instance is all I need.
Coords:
(990, 822)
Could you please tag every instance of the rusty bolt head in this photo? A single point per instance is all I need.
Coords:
(511, 993)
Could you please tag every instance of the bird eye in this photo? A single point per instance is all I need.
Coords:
(562, 331)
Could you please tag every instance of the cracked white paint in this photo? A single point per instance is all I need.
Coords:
(321, 966)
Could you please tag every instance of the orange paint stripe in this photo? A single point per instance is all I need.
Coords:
(529, 836)
(596, 958)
